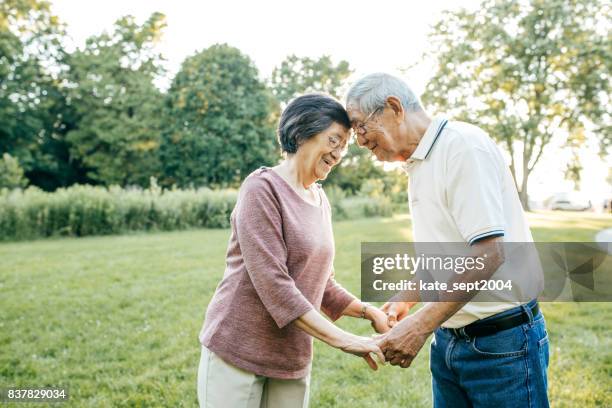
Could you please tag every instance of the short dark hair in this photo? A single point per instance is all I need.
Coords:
(307, 116)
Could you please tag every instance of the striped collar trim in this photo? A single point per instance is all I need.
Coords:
(429, 139)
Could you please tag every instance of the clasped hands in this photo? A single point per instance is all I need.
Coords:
(400, 338)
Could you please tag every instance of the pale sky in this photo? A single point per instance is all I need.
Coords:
(371, 35)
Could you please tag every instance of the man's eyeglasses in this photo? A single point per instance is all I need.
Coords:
(361, 129)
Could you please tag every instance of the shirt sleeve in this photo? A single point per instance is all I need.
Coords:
(335, 299)
(474, 194)
(260, 235)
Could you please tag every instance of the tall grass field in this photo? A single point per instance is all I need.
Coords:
(116, 319)
(83, 210)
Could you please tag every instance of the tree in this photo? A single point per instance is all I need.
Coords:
(573, 169)
(117, 106)
(11, 173)
(525, 71)
(32, 105)
(296, 76)
(219, 121)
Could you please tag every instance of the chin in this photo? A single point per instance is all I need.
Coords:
(385, 156)
(322, 171)
(381, 155)
(321, 175)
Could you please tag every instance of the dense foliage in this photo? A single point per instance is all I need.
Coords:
(219, 122)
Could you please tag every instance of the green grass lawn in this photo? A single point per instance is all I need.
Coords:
(116, 320)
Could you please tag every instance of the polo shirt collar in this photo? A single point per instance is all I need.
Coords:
(427, 142)
(428, 139)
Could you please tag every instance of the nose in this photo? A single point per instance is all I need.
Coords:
(335, 154)
(361, 140)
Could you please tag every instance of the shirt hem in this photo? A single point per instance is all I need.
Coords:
(256, 368)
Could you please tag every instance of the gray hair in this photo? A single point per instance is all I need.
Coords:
(306, 116)
(371, 93)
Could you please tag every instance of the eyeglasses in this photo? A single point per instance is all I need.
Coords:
(361, 129)
(335, 142)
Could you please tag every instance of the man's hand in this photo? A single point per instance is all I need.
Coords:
(378, 318)
(396, 311)
(404, 341)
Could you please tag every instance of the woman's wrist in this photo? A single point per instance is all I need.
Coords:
(371, 313)
(365, 311)
(340, 339)
(359, 309)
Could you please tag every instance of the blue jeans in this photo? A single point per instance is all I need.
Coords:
(506, 369)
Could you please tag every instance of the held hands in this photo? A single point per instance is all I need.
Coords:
(382, 321)
(364, 346)
(403, 343)
(402, 337)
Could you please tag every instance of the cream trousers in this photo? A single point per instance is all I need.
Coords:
(222, 385)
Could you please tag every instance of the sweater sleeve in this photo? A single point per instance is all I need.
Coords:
(260, 235)
(335, 299)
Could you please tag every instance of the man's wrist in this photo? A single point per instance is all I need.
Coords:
(433, 315)
(427, 325)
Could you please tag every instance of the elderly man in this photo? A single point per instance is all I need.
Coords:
(492, 354)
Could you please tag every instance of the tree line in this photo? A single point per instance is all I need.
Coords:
(95, 116)
(525, 71)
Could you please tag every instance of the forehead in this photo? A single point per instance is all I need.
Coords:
(336, 129)
(354, 113)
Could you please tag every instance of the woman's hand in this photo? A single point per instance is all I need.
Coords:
(379, 319)
(317, 326)
(362, 347)
(396, 311)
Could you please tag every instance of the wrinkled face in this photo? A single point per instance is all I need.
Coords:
(319, 154)
(376, 132)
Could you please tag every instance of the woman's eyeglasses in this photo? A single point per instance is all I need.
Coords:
(336, 143)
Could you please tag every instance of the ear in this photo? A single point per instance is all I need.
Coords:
(395, 104)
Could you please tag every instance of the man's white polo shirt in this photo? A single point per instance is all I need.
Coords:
(461, 190)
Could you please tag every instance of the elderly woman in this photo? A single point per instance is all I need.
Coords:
(256, 339)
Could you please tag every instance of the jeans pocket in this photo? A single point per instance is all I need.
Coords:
(543, 341)
(507, 343)
(543, 348)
